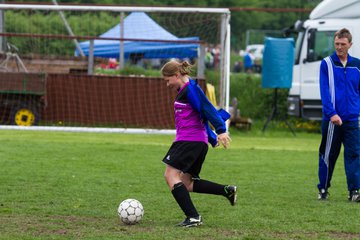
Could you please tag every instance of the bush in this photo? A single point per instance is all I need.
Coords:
(256, 102)
(253, 100)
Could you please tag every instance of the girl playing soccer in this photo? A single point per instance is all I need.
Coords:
(193, 112)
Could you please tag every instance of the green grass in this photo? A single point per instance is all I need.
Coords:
(68, 186)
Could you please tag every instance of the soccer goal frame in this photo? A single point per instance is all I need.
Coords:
(224, 65)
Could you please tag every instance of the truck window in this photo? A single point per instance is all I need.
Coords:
(320, 44)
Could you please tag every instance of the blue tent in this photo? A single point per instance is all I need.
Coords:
(139, 25)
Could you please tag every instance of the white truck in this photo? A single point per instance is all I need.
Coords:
(314, 42)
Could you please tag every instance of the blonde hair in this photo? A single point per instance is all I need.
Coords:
(171, 68)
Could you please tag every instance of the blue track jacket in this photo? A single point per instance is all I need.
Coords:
(208, 113)
(340, 92)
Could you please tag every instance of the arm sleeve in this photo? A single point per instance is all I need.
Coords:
(208, 112)
(328, 109)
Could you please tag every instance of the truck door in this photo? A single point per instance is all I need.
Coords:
(319, 45)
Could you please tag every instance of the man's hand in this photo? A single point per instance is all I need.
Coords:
(336, 120)
(224, 139)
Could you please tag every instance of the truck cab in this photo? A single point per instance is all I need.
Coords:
(315, 41)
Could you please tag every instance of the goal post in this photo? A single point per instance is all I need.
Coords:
(37, 36)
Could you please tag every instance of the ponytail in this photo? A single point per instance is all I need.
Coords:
(171, 68)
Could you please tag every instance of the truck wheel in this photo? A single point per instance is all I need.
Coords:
(24, 116)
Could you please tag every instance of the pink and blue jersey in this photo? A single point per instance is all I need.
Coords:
(188, 123)
(193, 111)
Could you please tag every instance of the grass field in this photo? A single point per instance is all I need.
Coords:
(68, 186)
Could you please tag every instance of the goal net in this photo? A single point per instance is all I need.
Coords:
(97, 67)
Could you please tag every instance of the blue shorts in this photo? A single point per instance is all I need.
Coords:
(187, 157)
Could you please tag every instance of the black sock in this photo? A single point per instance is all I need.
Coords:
(182, 197)
(204, 186)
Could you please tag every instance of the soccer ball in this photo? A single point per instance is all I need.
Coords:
(130, 211)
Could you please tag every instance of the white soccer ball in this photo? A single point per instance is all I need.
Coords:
(130, 211)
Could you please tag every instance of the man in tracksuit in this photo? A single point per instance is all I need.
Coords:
(340, 95)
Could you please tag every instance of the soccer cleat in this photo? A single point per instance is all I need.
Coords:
(354, 196)
(230, 193)
(323, 194)
(191, 222)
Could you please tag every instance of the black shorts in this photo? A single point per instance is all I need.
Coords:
(187, 157)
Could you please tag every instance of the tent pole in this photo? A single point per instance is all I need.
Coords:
(68, 28)
(91, 58)
(121, 56)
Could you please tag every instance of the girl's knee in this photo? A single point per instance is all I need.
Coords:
(188, 184)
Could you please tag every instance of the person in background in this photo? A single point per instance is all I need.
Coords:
(248, 62)
(193, 112)
(340, 96)
(209, 59)
(216, 52)
(238, 67)
(257, 68)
